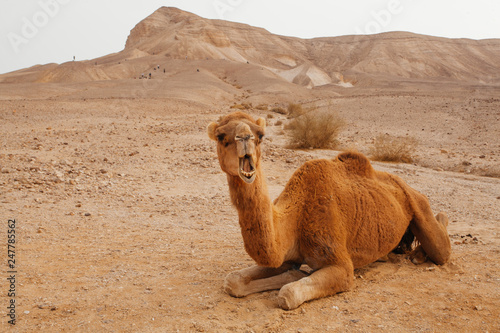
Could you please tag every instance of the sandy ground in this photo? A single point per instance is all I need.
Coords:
(124, 223)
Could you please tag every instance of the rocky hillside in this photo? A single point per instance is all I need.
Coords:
(170, 33)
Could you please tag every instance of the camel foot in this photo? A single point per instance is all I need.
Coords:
(418, 256)
(292, 295)
(234, 284)
(287, 300)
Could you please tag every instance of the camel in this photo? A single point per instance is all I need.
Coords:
(333, 215)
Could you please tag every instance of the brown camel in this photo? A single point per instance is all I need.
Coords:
(333, 215)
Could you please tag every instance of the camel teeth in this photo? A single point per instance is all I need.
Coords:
(247, 174)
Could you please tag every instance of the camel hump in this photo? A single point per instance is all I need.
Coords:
(356, 163)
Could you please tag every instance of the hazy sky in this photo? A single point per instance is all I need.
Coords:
(44, 31)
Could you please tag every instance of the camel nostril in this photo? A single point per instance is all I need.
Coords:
(247, 163)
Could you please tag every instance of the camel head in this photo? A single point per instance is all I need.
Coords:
(238, 138)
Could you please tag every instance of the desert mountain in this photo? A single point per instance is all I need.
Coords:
(170, 35)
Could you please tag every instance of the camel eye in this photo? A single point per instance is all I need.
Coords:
(221, 137)
(261, 136)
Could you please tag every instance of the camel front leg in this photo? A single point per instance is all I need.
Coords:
(418, 255)
(256, 279)
(323, 282)
(431, 232)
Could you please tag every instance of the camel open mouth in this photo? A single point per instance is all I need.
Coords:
(247, 169)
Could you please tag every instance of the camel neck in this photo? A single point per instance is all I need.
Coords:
(255, 212)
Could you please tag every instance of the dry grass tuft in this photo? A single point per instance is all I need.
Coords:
(295, 110)
(493, 172)
(242, 106)
(389, 148)
(315, 129)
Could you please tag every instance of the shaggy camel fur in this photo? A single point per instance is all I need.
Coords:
(333, 215)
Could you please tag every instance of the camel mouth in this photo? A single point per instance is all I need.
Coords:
(247, 169)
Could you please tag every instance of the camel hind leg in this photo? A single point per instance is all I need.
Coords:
(431, 232)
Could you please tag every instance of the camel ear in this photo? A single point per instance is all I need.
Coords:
(211, 130)
(262, 123)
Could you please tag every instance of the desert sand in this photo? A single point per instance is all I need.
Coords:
(123, 217)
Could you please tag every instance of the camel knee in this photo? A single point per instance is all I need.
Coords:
(442, 257)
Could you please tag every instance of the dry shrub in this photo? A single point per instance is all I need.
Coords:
(315, 129)
(493, 172)
(237, 106)
(278, 123)
(389, 148)
(294, 110)
(261, 107)
(243, 106)
(279, 110)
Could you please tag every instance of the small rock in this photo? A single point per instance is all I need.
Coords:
(478, 307)
(87, 214)
(7, 170)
